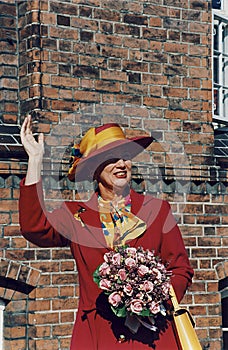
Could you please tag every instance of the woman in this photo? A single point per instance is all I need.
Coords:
(115, 215)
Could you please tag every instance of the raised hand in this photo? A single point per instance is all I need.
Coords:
(35, 151)
(32, 147)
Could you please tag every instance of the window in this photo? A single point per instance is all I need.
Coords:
(217, 4)
(220, 69)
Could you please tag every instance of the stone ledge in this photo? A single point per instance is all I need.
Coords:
(16, 277)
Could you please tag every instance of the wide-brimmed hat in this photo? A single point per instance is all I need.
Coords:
(100, 144)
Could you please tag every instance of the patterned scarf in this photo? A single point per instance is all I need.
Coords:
(118, 223)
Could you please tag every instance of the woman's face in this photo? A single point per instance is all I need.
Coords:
(115, 176)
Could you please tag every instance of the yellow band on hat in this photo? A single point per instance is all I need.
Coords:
(92, 141)
(87, 142)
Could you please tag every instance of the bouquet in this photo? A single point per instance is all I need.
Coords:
(136, 281)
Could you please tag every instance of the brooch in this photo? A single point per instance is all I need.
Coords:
(77, 215)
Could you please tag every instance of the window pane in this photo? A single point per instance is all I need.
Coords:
(225, 71)
(225, 58)
(216, 70)
(216, 4)
(225, 38)
(216, 102)
(216, 37)
(225, 102)
(220, 68)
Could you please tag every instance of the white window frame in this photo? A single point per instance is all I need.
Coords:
(220, 103)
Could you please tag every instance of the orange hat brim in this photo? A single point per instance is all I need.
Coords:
(85, 168)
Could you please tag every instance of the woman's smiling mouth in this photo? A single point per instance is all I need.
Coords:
(120, 174)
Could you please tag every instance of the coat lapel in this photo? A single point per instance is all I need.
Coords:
(146, 208)
(88, 214)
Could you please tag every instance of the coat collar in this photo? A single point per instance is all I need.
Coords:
(88, 214)
(89, 210)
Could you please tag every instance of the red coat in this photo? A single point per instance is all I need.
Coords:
(96, 328)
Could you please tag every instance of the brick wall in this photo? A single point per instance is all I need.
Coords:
(146, 65)
(8, 62)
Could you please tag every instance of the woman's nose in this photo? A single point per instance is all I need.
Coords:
(120, 163)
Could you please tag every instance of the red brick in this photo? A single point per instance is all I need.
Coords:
(111, 86)
(19, 243)
(67, 317)
(114, 52)
(153, 101)
(64, 33)
(113, 75)
(47, 344)
(15, 332)
(154, 79)
(38, 305)
(61, 330)
(63, 278)
(87, 96)
(40, 332)
(8, 205)
(134, 43)
(65, 81)
(156, 9)
(198, 310)
(15, 344)
(67, 291)
(108, 39)
(134, 89)
(67, 304)
(205, 274)
(67, 265)
(213, 287)
(65, 343)
(209, 321)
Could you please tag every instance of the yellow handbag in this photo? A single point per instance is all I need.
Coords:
(184, 326)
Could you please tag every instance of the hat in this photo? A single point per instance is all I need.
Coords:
(100, 144)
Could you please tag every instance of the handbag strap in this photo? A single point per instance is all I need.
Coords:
(174, 299)
(177, 309)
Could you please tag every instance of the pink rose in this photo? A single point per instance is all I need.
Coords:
(107, 256)
(122, 274)
(148, 286)
(166, 288)
(157, 273)
(116, 259)
(104, 269)
(131, 251)
(154, 307)
(150, 255)
(128, 289)
(136, 306)
(142, 270)
(114, 299)
(140, 295)
(160, 266)
(105, 284)
(141, 257)
(130, 262)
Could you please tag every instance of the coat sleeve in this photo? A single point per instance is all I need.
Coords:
(174, 253)
(37, 225)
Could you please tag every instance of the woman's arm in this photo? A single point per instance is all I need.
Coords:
(174, 252)
(35, 151)
(35, 224)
